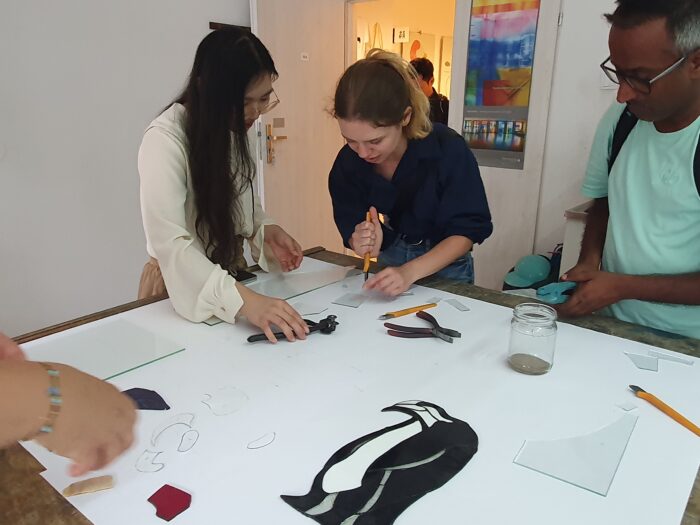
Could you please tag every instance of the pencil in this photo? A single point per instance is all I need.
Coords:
(406, 311)
(365, 268)
(639, 392)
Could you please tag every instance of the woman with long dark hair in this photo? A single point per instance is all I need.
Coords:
(197, 198)
(421, 177)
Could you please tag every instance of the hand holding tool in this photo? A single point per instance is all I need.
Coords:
(325, 326)
(556, 293)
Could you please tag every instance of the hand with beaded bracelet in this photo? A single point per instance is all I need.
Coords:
(71, 413)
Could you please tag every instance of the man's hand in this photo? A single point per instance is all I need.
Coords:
(596, 289)
(286, 250)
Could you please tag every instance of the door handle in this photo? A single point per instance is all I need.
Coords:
(270, 140)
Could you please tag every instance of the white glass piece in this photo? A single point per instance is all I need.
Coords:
(288, 285)
(644, 362)
(675, 359)
(309, 308)
(457, 304)
(106, 350)
(226, 400)
(262, 441)
(189, 439)
(353, 300)
(589, 461)
(186, 420)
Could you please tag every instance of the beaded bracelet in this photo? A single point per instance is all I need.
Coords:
(55, 401)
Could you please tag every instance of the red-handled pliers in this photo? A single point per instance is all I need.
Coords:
(413, 332)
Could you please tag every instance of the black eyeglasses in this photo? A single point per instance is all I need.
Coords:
(641, 85)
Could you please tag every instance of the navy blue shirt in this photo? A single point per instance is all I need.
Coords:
(437, 186)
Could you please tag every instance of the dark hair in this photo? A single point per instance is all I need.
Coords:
(378, 89)
(682, 19)
(227, 60)
(423, 67)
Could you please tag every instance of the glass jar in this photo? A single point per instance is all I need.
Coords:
(533, 336)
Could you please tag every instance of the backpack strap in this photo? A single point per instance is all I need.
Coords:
(696, 167)
(623, 128)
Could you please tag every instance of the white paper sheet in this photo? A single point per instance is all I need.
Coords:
(319, 394)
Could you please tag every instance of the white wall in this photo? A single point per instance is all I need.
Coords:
(577, 103)
(80, 81)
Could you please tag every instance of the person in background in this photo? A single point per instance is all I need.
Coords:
(422, 178)
(640, 255)
(197, 200)
(92, 423)
(439, 104)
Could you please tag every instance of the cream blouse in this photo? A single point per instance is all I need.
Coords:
(198, 288)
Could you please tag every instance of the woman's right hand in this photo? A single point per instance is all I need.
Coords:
(265, 311)
(368, 236)
(95, 424)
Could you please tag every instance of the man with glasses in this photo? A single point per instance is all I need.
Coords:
(640, 255)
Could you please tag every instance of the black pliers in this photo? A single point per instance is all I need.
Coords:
(413, 332)
(325, 326)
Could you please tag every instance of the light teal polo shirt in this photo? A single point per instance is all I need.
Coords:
(654, 225)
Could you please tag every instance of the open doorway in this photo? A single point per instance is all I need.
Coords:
(411, 28)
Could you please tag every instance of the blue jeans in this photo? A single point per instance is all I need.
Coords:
(401, 252)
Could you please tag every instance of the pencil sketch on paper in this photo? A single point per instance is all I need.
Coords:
(226, 400)
(378, 476)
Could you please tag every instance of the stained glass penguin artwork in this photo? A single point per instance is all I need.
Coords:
(373, 479)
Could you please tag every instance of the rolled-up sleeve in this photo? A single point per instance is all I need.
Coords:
(197, 287)
(463, 208)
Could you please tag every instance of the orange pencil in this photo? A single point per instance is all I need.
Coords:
(406, 311)
(365, 268)
(639, 392)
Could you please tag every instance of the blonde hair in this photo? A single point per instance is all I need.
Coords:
(378, 89)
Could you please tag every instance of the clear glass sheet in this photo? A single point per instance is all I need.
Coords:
(589, 461)
(288, 285)
(106, 350)
(644, 362)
